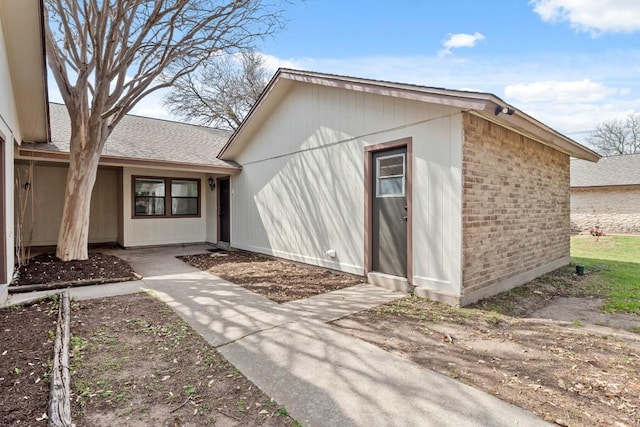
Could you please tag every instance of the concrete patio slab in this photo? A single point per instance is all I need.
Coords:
(223, 321)
(160, 261)
(343, 302)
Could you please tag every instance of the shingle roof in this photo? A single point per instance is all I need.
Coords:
(614, 170)
(144, 138)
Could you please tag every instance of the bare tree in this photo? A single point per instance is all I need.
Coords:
(106, 55)
(222, 92)
(25, 211)
(619, 136)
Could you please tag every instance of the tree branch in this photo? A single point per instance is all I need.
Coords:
(617, 137)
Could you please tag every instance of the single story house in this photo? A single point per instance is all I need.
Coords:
(156, 184)
(454, 194)
(23, 108)
(606, 194)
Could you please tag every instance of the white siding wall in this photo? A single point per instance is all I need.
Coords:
(7, 135)
(301, 191)
(9, 130)
(162, 231)
(48, 186)
(437, 203)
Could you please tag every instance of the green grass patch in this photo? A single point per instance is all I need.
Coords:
(618, 260)
(611, 248)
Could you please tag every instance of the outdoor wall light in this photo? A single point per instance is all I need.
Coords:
(212, 183)
(505, 110)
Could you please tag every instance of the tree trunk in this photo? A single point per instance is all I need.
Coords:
(73, 238)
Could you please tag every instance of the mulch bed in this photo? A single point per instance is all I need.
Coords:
(277, 279)
(26, 349)
(46, 271)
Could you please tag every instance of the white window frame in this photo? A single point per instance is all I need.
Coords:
(403, 176)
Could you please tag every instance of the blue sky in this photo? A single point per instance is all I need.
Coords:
(569, 63)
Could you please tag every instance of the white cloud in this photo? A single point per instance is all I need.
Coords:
(593, 16)
(578, 120)
(460, 40)
(574, 107)
(471, 89)
(577, 91)
(272, 63)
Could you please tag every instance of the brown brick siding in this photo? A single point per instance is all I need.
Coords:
(614, 209)
(515, 204)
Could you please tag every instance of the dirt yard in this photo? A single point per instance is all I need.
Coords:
(570, 373)
(134, 363)
(276, 279)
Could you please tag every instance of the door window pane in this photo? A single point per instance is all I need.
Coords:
(390, 176)
(391, 187)
(391, 166)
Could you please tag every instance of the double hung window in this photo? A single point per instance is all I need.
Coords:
(165, 197)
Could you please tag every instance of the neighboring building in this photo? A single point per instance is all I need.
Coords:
(453, 192)
(23, 107)
(606, 194)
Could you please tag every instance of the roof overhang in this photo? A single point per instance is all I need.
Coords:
(481, 104)
(23, 23)
(62, 157)
(526, 125)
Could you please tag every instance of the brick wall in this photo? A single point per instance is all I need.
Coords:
(515, 208)
(614, 209)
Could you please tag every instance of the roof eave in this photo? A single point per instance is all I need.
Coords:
(526, 125)
(458, 99)
(603, 186)
(27, 62)
(57, 156)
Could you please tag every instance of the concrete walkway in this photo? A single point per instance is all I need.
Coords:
(322, 376)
